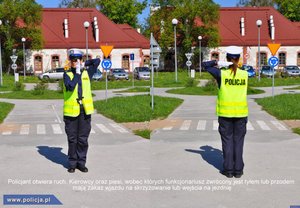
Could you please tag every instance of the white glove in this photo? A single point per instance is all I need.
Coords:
(224, 64)
(78, 67)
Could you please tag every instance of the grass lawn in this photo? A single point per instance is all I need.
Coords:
(145, 133)
(267, 82)
(283, 107)
(136, 108)
(48, 94)
(5, 109)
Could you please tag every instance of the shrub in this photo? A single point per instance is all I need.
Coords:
(60, 87)
(18, 86)
(39, 88)
(190, 82)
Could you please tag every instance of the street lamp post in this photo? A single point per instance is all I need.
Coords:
(86, 24)
(258, 23)
(24, 56)
(1, 80)
(200, 67)
(174, 23)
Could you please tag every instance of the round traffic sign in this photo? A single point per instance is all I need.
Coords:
(188, 63)
(273, 61)
(106, 64)
(246, 56)
(14, 66)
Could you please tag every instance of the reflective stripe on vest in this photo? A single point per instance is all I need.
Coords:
(232, 95)
(71, 106)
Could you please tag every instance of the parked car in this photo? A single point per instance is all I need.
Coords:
(142, 73)
(117, 73)
(267, 71)
(54, 74)
(249, 69)
(97, 76)
(290, 71)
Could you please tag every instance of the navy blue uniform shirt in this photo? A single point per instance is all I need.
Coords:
(214, 71)
(91, 69)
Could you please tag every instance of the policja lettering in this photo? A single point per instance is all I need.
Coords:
(235, 82)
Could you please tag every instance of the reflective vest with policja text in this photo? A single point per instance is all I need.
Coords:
(71, 105)
(232, 95)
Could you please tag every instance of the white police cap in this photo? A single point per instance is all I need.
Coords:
(233, 51)
(75, 53)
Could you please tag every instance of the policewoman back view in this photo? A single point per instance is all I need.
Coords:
(78, 107)
(231, 108)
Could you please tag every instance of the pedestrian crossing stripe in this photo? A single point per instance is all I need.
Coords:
(56, 129)
(203, 125)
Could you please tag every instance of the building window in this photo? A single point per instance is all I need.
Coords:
(263, 59)
(215, 56)
(298, 59)
(147, 60)
(38, 64)
(55, 62)
(125, 62)
(282, 58)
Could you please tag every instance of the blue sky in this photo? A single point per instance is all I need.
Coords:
(55, 3)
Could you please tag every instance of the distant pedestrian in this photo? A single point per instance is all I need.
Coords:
(232, 109)
(78, 107)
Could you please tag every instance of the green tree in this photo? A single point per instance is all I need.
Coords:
(78, 3)
(20, 18)
(257, 3)
(195, 17)
(290, 9)
(125, 11)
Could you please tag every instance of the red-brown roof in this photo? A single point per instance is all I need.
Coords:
(109, 32)
(135, 35)
(287, 33)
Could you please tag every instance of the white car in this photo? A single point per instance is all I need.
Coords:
(54, 74)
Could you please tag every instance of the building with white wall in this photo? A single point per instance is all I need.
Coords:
(63, 29)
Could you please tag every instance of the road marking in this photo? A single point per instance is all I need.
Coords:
(186, 125)
(58, 119)
(215, 125)
(7, 133)
(249, 126)
(41, 129)
(103, 128)
(56, 129)
(168, 128)
(92, 131)
(263, 125)
(201, 125)
(24, 129)
(279, 125)
(118, 128)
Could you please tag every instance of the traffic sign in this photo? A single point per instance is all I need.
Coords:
(274, 47)
(106, 64)
(132, 57)
(188, 63)
(273, 61)
(14, 58)
(14, 66)
(106, 50)
(189, 55)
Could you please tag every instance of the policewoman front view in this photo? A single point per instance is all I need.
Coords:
(231, 108)
(78, 107)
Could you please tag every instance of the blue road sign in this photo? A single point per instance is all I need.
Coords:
(132, 57)
(106, 64)
(273, 61)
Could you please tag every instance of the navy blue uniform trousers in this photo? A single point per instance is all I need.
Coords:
(233, 131)
(78, 130)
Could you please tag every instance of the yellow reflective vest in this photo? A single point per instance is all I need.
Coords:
(71, 105)
(232, 95)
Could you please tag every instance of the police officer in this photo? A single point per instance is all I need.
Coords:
(78, 107)
(232, 109)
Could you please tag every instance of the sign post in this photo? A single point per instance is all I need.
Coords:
(189, 63)
(14, 66)
(132, 62)
(273, 61)
(106, 65)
